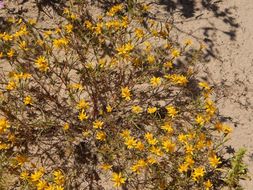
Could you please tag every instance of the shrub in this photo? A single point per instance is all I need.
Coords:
(108, 96)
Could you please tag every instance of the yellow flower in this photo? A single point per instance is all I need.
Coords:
(98, 124)
(82, 104)
(139, 145)
(101, 136)
(208, 184)
(214, 161)
(198, 173)
(177, 79)
(125, 49)
(23, 45)
(136, 109)
(138, 166)
(189, 161)
(24, 175)
(4, 125)
(65, 126)
(98, 28)
(189, 149)
(151, 59)
(11, 53)
(210, 108)
(168, 146)
(182, 138)
(108, 108)
(155, 81)
(152, 110)
(118, 179)
(58, 177)
(61, 42)
(68, 28)
(125, 93)
(125, 134)
(183, 168)
(205, 86)
(7, 37)
(41, 185)
(106, 166)
(28, 100)
(168, 65)
(130, 143)
(42, 63)
(151, 160)
(82, 115)
(227, 129)
(175, 53)
(157, 151)
(139, 32)
(200, 120)
(115, 9)
(88, 24)
(167, 127)
(150, 138)
(36, 176)
(11, 85)
(171, 111)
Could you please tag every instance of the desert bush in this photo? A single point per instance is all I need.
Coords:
(108, 96)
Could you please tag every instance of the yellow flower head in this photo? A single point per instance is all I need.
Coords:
(152, 110)
(28, 100)
(175, 53)
(125, 93)
(59, 177)
(200, 120)
(208, 184)
(125, 49)
(101, 136)
(82, 104)
(168, 146)
(136, 109)
(42, 64)
(115, 9)
(4, 125)
(65, 126)
(106, 167)
(171, 111)
(82, 116)
(61, 42)
(183, 168)
(108, 108)
(155, 81)
(167, 127)
(118, 179)
(98, 124)
(130, 142)
(214, 161)
(198, 173)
